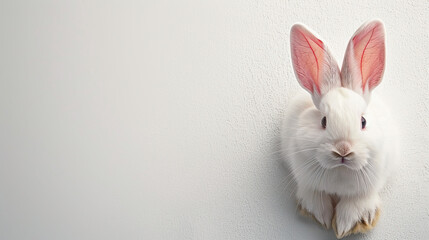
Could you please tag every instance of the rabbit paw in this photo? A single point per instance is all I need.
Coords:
(318, 206)
(353, 217)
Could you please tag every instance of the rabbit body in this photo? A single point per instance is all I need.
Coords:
(340, 141)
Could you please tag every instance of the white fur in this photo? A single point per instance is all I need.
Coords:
(324, 184)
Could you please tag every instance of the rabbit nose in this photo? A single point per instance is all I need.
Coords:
(343, 148)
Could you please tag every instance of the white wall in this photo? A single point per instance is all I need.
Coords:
(160, 120)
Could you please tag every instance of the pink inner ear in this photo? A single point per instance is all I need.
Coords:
(369, 52)
(307, 57)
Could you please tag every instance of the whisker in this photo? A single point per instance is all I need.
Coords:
(357, 179)
(286, 151)
(368, 182)
(304, 139)
(304, 150)
(297, 172)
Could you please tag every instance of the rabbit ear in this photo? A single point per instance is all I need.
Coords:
(315, 68)
(363, 64)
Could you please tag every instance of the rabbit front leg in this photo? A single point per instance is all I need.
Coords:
(316, 204)
(356, 214)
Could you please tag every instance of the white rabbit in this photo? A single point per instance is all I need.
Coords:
(341, 142)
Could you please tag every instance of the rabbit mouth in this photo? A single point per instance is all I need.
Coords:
(348, 164)
(339, 162)
(330, 158)
(345, 160)
(344, 164)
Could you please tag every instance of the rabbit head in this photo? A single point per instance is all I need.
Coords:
(344, 126)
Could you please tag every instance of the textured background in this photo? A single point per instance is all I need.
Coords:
(160, 120)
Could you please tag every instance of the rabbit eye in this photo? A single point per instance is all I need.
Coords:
(363, 121)
(323, 122)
